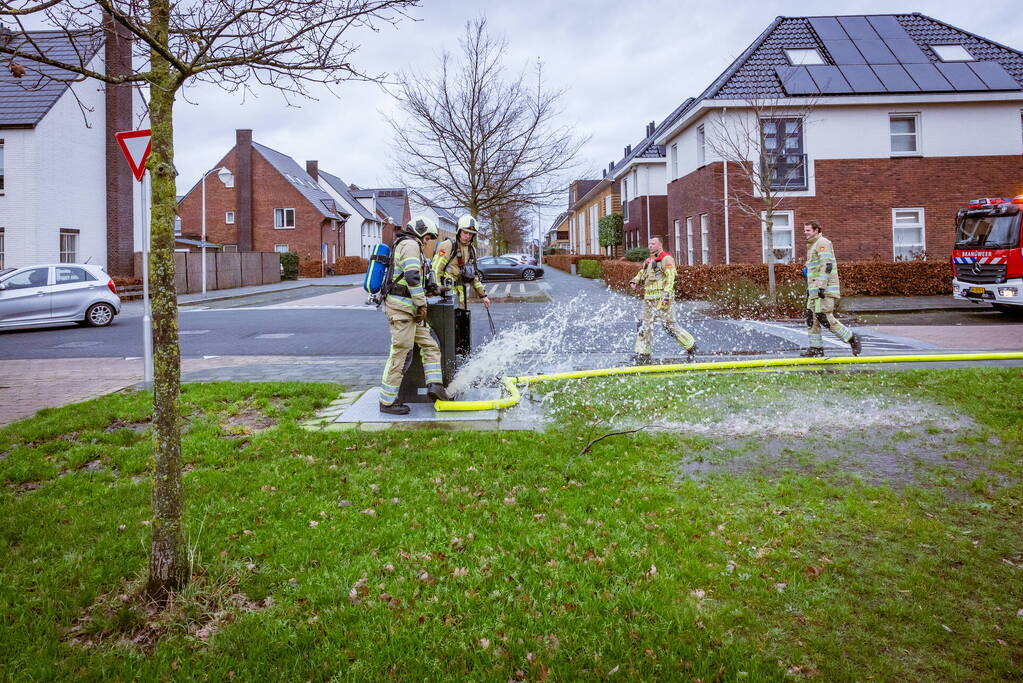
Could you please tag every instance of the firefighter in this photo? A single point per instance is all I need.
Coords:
(405, 307)
(454, 262)
(822, 293)
(658, 280)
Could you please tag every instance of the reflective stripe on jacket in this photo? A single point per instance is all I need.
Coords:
(657, 277)
(445, 265)
(821, 267)
(409, 269)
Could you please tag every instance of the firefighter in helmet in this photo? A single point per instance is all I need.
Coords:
(405, 307)
(454, 262)
(658, 281)
(822, 293)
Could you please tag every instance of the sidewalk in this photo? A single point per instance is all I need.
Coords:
(283, 285)
(904, 304)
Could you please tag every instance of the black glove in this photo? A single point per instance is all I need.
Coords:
(420, 315)
(809, 318)
(820, 292)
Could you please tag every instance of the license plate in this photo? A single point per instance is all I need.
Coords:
(977, 290)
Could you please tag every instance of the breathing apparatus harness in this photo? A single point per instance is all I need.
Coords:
(390, 285)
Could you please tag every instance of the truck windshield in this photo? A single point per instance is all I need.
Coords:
(988, 232)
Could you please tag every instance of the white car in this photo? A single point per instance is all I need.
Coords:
(57, 293)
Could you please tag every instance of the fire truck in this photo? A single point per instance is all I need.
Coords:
(987, 259)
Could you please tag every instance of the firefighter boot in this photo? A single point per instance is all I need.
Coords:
(691, 354)
(437, 392)
(855, 344)
(394, 409)
(641, 359)
(813, 352)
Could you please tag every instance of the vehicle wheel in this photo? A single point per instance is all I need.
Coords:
(529, 274)
(99, 315)
(1007, 309)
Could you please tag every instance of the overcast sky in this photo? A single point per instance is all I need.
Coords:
(622, 64)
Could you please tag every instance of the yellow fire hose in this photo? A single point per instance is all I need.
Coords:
(510, 383)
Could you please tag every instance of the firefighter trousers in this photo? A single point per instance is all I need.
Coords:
(659, 311)
(405, 333)
(821, 312)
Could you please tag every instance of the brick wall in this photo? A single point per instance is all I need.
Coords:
(636, 226)
(854, 201)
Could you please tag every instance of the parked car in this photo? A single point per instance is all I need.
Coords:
(57, 293)
(521, 258)
(504, 268)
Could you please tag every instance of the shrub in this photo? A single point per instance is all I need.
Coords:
(610, 230)
(350, 265)
(289, 263)
(564, 261)
(590, 268)
(637, 254)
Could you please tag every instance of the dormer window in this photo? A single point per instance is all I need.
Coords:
(952, 53)
(804, 57)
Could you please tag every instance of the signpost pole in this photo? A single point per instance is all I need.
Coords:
(147, 316)
(204, 234)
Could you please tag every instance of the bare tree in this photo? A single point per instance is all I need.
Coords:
(478, 138)
(284, 44)
(763, 139)
(508, 227)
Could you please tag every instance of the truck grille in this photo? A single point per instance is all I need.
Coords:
(982, 273)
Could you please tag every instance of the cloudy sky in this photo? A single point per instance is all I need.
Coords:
(622, 64)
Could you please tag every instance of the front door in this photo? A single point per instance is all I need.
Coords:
(25, 297)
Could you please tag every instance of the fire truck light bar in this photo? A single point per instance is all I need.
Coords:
(989, 201)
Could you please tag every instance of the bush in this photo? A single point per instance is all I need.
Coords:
(564, 262)
(590, 268)
(637, 254)
(289, 263)
(610, 230)
(744, 298)
(350, 265)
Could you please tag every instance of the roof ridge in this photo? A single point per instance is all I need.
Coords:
(969, 33)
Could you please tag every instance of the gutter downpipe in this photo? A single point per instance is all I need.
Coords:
(728, 249)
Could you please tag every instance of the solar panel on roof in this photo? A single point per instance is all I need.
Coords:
(828, 28)
(961, 76)
(844, 52)
(928, 77)
(888, 27)
(861, 78)
(906, 51)
(858, 28)
(895, 78)
(829, 79)
(796, 80)
(994, 75)
(875, 52)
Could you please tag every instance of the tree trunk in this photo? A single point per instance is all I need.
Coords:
(168, 558)
(770, 254)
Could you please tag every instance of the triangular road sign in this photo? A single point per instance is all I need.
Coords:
(135, 145)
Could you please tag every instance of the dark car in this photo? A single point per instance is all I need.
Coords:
(503, 268)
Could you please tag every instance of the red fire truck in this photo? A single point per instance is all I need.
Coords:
(987, 259)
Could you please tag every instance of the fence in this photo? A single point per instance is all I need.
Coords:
(223, 270)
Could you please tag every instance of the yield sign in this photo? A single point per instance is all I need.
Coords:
(135, 145)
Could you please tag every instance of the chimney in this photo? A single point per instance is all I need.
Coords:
(628, 150)
(313, 169)
(243, 195)
(120, 185)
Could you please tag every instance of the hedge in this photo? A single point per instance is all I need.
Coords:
(289, 262)
(564, 261)
(350, 265)
(589, 268)
(864, 278)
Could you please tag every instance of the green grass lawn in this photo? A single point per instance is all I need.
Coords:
(763, 526)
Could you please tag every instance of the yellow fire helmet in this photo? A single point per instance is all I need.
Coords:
(468, 223)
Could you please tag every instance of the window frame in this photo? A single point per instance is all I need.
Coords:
(689, 240)
(921, 225)
(763, 235)
(935, 48)
(625, 198)
(677, 225)
(674, 160)
(803, 50)
(908, 115)
(277, 249)
(68, 233)
(229, 217)
(789, 184)
(284, 216)
(705, 238)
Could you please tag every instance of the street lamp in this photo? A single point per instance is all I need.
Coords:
(227, 178)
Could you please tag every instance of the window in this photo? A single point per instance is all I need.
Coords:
(674, 161)
(783, 158)
(229, 217)
(952, 53)
(904, 129)
(284, 219)
(908, 234)
(625, 199)
(701, 146)
(67, 275)
(803, 57)
(281, 248)
(1, 248)
(678, 239)
(68, 245)
(594, 227)
(608, 205)
(689, 240)
(784, 247)
(177, 225)
(35, 277)
(705, 238)
(1, 167)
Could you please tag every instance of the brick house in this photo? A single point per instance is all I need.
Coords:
(880, 128)
(273, 204)
(364, 227)
(588, 202)
(557, 234)
(57, 141)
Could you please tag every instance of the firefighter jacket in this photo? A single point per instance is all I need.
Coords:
(657, 277)
(408, 281)
(821, 267)
(448, 261)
